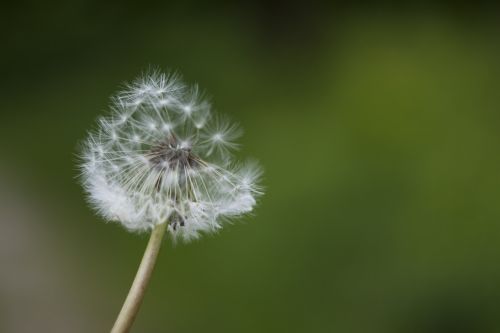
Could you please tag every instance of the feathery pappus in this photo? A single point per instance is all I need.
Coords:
(162, 156)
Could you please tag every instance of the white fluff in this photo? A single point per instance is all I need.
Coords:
(161, 157)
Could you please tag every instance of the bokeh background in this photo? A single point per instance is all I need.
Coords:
(378, 127)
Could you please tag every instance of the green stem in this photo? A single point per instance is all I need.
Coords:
(134, 298)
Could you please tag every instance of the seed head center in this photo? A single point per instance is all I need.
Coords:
(173, 153)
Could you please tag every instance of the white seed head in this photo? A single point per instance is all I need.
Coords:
(160, 157)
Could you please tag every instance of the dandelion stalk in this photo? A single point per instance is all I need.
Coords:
(135, 296)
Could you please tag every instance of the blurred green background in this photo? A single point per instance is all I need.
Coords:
(378, 127)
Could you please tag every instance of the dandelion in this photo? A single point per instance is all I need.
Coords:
(160, 161)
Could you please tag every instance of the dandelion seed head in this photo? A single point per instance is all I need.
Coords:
(160, 156)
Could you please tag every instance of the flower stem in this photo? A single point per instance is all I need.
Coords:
(134, 298)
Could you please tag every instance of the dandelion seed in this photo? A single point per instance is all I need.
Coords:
(160, 157)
